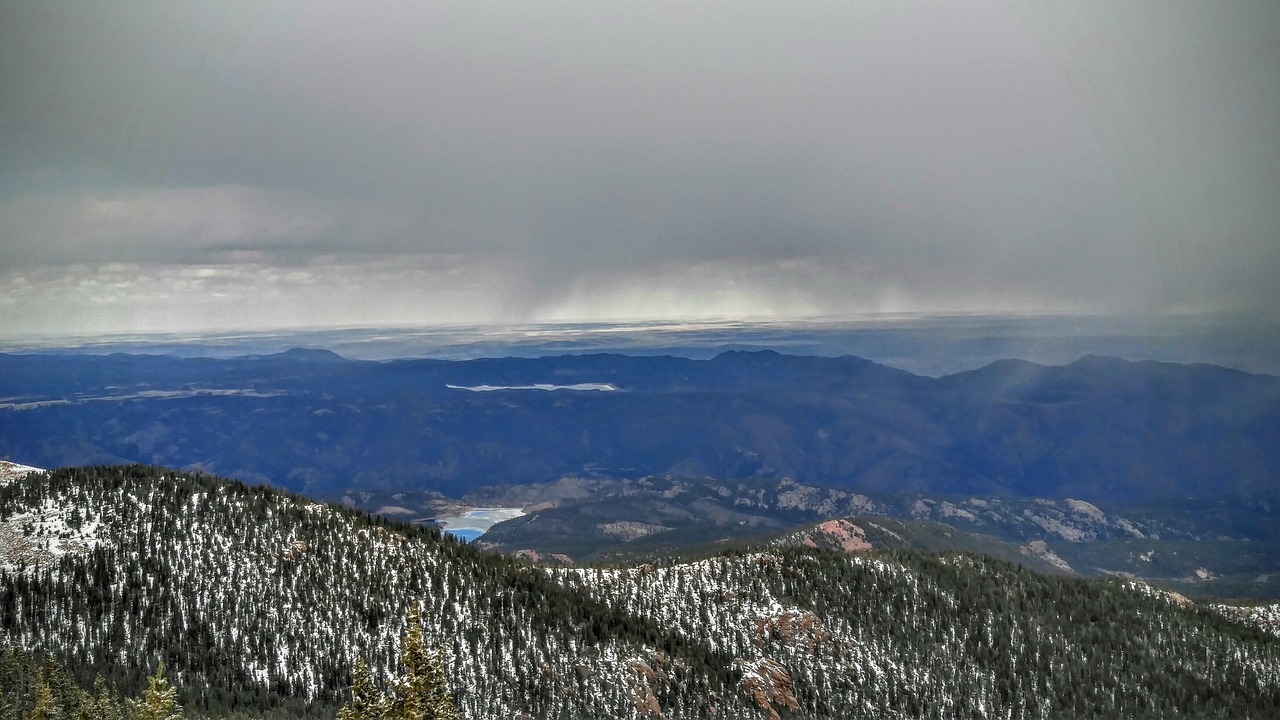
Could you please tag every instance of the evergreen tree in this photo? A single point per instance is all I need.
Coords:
(159, 701)
(366, 701)
(422, 694)
(45, 709)
(103, 705)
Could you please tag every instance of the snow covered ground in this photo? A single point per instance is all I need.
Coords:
(1266, 617)
(10, 471)
(41, 535)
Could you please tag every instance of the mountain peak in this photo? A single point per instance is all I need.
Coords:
(311, 355)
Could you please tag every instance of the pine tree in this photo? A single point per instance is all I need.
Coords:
(159, 701)
(102, 706)
(366, 703)
(422, 694)
(44, 708)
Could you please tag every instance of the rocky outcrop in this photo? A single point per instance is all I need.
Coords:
(840, 534)
(628, 530)
(1040, 549)
(768, 684)
(642, 695)
(793, 628)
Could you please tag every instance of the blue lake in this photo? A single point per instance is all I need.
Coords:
(473, 523)
(467, 534)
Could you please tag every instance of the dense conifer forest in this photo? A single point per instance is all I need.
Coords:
(1099, 429)
(260, 603)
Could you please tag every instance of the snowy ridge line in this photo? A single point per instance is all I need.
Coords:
(1266, 617)
(12, 471)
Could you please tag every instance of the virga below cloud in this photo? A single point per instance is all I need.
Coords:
(499, 161)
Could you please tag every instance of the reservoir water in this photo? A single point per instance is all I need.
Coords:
(473, 523)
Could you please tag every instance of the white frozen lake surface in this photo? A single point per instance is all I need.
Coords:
(598, 387)
(474, 523)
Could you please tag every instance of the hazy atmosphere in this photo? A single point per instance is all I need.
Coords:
(171, 166)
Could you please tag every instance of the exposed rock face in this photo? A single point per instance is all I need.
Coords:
(850, 537)
(793, 628)
(840, 534)
(534, 556)
(296, 549)
(1040, 549)
(643, 680)
(769, 685)
(1080, 507)
(630, 530)
(822, 501)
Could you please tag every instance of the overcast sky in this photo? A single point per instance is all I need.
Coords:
(185, 166)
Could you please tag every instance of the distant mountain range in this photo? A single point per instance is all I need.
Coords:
(1225, 546)
(1098, 429)
(259, 603)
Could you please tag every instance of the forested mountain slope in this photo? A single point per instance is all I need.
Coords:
(255, 599)
(1096, 429)
(261, 599)
(1225, 547)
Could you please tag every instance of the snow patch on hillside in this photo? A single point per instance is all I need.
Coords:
(43, 535)
(12, 471)
(1143, 588)
(1266, 617)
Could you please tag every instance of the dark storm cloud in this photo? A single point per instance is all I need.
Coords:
(1183, 98)
(524, 161)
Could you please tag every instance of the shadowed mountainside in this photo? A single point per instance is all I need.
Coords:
(1098, 428)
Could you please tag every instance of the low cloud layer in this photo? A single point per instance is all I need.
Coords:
(180, 165)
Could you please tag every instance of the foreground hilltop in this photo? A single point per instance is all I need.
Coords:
(260, 602)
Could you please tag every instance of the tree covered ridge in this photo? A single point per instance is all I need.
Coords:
(209, 575)
(263, 602)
